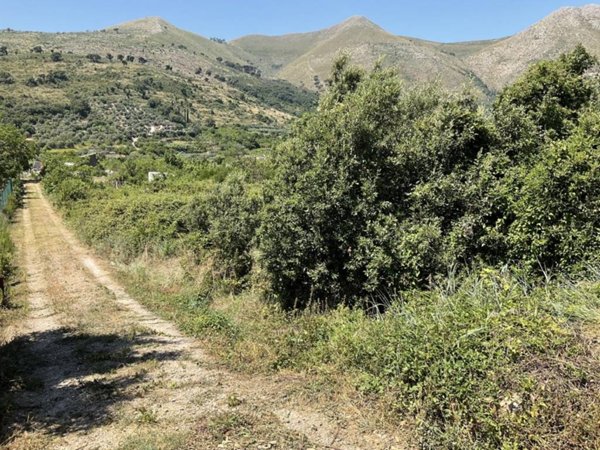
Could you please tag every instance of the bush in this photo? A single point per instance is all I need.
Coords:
(233, 220)
(557, 202)
(494, 364)
(338, 225)
(15, 153)
(70, 191)
(385, 189)
(6, 78)
(553, 92)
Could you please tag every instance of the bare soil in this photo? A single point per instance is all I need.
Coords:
(97, 370)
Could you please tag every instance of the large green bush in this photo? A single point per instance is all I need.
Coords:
(338, 225)
(553, 92)
(15, 153)
(233, 219)
(386, 188)
(556, 204)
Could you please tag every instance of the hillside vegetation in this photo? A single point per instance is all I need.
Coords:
(96, 88)
(437, 259)
(15, 155)
(259, 80)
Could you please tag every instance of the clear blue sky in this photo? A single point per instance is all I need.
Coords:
(440, 20)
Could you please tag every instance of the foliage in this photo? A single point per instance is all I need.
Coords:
(552, 92)
(556, 206)
(494, 364)
(338, 225)
(15, 153)
(279, 94)
(369, 204)
(79, 102)
(233, 219)
(7, 250)
(386, 189)
(6, 78)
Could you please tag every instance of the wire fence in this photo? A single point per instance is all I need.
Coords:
(8, 189)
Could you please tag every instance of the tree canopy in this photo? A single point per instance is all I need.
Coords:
(15, 153)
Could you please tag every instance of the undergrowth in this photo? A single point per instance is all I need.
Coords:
(493, 363)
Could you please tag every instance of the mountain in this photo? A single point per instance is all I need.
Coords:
(502, 62)
(305, 59)
(148, 74)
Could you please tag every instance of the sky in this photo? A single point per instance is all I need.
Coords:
(438, 20)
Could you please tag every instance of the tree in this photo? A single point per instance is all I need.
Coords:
(109, 56)
(120, 57)
(556, 202)
(6, 78)
(81, 107)
(15, 153)
(142, 60)
(232, 214)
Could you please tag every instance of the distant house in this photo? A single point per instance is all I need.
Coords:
(153, 176)
(37, 168)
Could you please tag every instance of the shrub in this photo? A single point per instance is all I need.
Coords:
(494, 364)
(557, 200)
(337, 225)
(71, 190)
(6, 78)
(553, 92)
(233, 220)
(15, 153)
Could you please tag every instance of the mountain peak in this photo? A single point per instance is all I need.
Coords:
(151, 25)
(358, 21)
(357, 24)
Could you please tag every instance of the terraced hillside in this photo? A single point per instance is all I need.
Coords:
(140, 78)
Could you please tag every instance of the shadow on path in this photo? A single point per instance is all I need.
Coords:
(61, 381)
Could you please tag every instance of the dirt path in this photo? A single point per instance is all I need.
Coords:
(99, 371)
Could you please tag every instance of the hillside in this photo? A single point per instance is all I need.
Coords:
(148, 74)
(133, 78)
(502, 62)
(305, 59)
